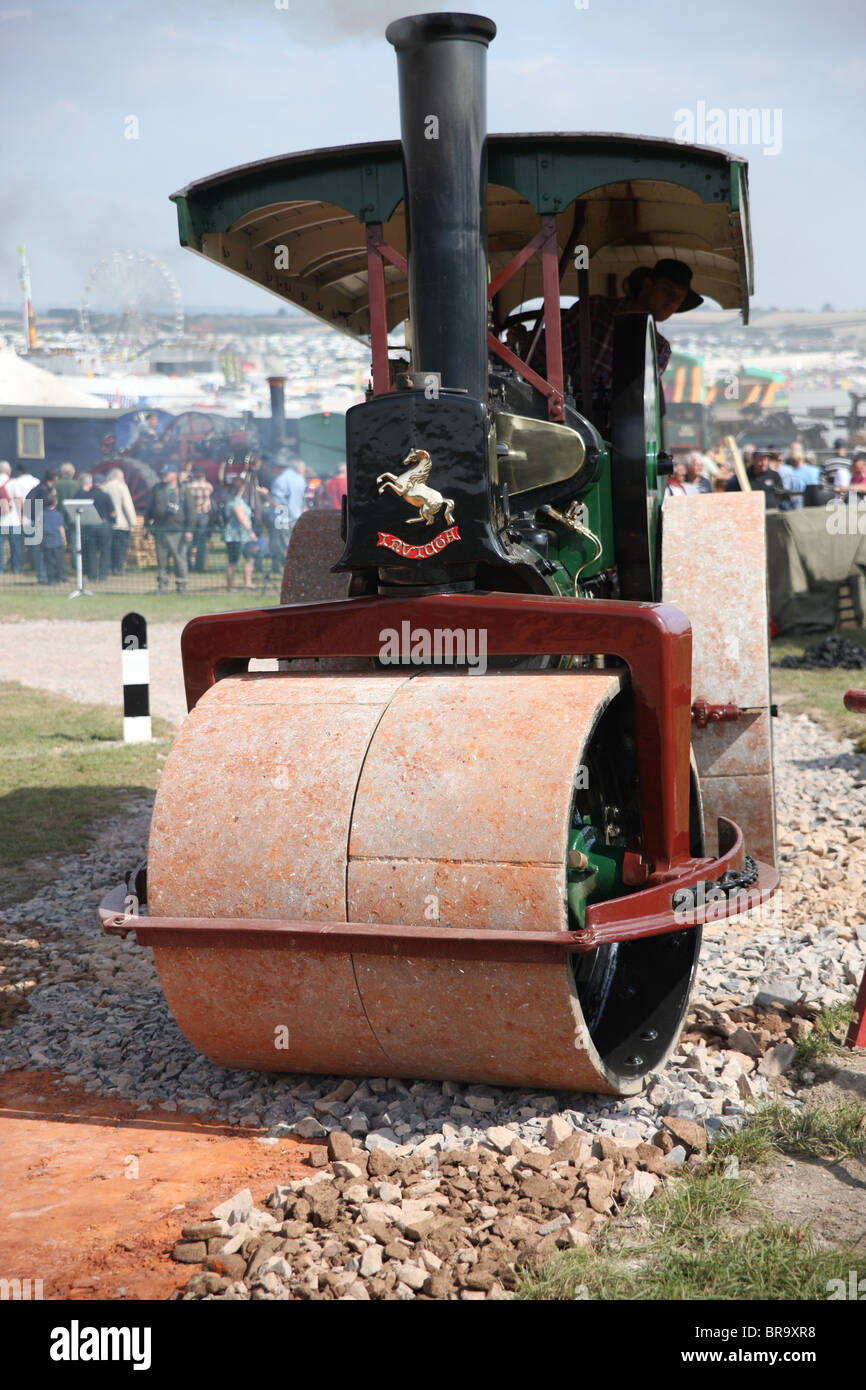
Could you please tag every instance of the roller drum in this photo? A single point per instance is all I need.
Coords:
(435, 800)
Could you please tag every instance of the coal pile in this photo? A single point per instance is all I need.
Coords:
(833, 652)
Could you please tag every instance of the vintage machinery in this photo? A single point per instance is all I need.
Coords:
(460, 831)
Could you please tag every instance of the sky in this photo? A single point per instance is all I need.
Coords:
(215, 83)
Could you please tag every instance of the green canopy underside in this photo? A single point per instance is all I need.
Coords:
(295, 224)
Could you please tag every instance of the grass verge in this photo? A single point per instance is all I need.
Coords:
(828, 1036)
(34, 603)
(63, 772)
(820, 1131)
(700, 1239)
(819, 693)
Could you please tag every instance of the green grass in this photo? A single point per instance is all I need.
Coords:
(33, 602)
(825, 1131)
(693, 1247)
(752, 1144)
(699, 1238)
(819, 693)
(821, 1131)
(63, 771)
(828, 1036)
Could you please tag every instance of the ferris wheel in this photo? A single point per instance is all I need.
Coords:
(131, 301)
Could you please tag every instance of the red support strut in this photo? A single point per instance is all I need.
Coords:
(378, 251)
(857, 1031)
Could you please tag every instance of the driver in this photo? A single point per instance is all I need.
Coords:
(661, 291)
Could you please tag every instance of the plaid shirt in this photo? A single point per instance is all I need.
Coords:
(201, 493)
(602, 315)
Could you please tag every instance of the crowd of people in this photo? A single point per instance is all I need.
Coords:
(782, 479)
(254, 514)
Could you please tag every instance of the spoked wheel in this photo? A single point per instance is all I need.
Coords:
(140, 478)
(636, 440)
(440, 801)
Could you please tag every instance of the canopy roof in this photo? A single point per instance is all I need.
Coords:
(641, 200)
(22, 383)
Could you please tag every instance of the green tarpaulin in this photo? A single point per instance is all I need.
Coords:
(809, 554)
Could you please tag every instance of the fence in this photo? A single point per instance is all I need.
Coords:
(23, 568)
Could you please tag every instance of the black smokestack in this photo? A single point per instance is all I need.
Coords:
(278, 414)
(442, 66)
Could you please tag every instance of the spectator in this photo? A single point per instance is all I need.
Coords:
(331, 493)
(53, 545)
(10, 521)
(147, 442)
(170, 516)
(275, 521)
(201, 492)
(695, 474)
(66, 485)
(858, 471)
(797, 475)
(22, 484)
(288, 491)
(23, 481)
(34, 513)
(96, 524)
(839, 467)
(764, 478)
(49, 483)
(238, 531)
(125, 519)
(677, 481)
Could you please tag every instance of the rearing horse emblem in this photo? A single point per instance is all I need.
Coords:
(411, 486)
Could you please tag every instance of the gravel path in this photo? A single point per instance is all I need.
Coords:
(82, 660)
(97, 1013)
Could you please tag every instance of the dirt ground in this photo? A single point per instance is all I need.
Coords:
(95, 1192)
(828, 1197)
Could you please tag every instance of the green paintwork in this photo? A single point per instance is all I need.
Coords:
(365, 180)
(603, 878)
(322, 441)
(550, 171)
(569, 550)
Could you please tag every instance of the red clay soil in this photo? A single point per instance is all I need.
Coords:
(91, 1187)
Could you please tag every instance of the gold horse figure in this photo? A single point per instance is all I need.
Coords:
(411, 486)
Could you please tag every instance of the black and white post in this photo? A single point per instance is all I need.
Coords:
(135, 665)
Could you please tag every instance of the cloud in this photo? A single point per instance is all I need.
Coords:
(8, 16)
(313, 21)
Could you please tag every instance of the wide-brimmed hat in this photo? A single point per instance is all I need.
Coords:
(680, 274)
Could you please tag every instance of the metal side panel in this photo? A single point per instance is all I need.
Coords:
(714, 568)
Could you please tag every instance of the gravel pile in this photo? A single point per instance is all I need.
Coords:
(90, 1006)
(441, 1221)
(455, 1224)
(833, 652)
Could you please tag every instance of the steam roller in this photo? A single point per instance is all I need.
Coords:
(463, 812)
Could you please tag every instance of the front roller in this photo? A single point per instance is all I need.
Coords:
(449, 803)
